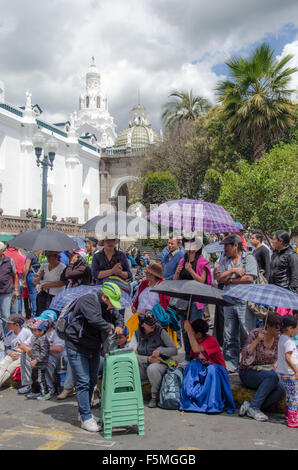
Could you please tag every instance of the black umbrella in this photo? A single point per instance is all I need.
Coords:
(120, 224)
(193, 291)
(44, 240)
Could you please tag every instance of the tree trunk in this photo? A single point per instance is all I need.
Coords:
(259, 144)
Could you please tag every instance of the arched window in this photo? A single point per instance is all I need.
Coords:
(98, 102)
(87, 101)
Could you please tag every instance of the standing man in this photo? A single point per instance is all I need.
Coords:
(261, 253)
(9, 287)
(236, 267)
(171, 257)
(91, 248)
(93, 319)
(284, 262)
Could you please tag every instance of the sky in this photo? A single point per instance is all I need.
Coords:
(153, 46)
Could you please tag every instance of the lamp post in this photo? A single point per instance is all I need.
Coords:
(49, 149)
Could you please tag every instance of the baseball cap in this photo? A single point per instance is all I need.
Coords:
(231, 239)
(113, 292)
(147, 318)
(125, 331)
(92, 240)
(15, 318)
(41, 325)
(48, 315)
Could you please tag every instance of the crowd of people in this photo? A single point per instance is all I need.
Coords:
(264, 355)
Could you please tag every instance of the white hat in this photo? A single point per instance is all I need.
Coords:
(2, 246)
(193, 244)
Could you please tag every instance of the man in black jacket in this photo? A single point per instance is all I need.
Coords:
(94, 318)
(284, 262)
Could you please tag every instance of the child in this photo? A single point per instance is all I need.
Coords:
(39, 354)
(123, 338)
(287, 367)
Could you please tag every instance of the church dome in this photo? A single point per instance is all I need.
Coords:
(139, 133)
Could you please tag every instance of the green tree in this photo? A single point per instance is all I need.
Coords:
(184, 107)
(256, 100)
(264, 194)
(159, 187)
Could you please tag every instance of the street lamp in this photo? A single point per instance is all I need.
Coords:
(50, 148)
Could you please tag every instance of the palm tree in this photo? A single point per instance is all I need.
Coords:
(256, 100)
(185, 107)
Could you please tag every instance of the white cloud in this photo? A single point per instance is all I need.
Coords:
(292, 49)
(151, 45)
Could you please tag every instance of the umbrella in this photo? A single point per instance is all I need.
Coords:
(214, 248)
(120, 224)
(68, 295)
(80, 241)
(190, 215)
(44, 239)
(198, 292)
(264, 294)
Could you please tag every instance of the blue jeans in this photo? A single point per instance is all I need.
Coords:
(194, 314)
(84, 371)
(269, 389)
(5, 305)
(32, 292)
(238, 322)
(17, 306)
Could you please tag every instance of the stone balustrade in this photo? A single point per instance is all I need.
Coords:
(14, 225)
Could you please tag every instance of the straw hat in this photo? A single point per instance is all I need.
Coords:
(155, 269)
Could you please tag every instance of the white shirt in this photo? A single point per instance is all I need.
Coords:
(147, 300)
(285, 345)
(12, 341)
(52, 276)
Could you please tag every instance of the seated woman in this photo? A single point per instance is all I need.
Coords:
(193, 267)
(78, 272)
(152, 344)
(206, 387)
(256, 370)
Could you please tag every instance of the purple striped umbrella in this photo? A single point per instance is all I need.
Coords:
(193, 216)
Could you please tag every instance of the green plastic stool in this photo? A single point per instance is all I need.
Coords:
(121, 392)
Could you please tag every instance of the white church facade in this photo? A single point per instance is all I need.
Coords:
(74, 185)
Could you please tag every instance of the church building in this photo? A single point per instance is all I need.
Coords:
(92, 166)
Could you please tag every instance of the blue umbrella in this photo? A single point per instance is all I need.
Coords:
(264, 294)
(80, 241)
(214, 248)
(67, 295)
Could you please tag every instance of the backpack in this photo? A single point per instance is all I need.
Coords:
(66, 317)
(169, 393)
(259, 311)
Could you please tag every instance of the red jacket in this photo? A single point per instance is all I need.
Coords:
(163, 299)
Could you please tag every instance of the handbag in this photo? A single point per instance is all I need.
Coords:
(180, 305)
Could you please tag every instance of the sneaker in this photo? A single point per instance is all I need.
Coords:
(90, 425)
(152, 403)
(66, 392)
(46, 396)
(243, 408)
(93, 416)
(24, 390)
(32, 396)
(256, 414)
